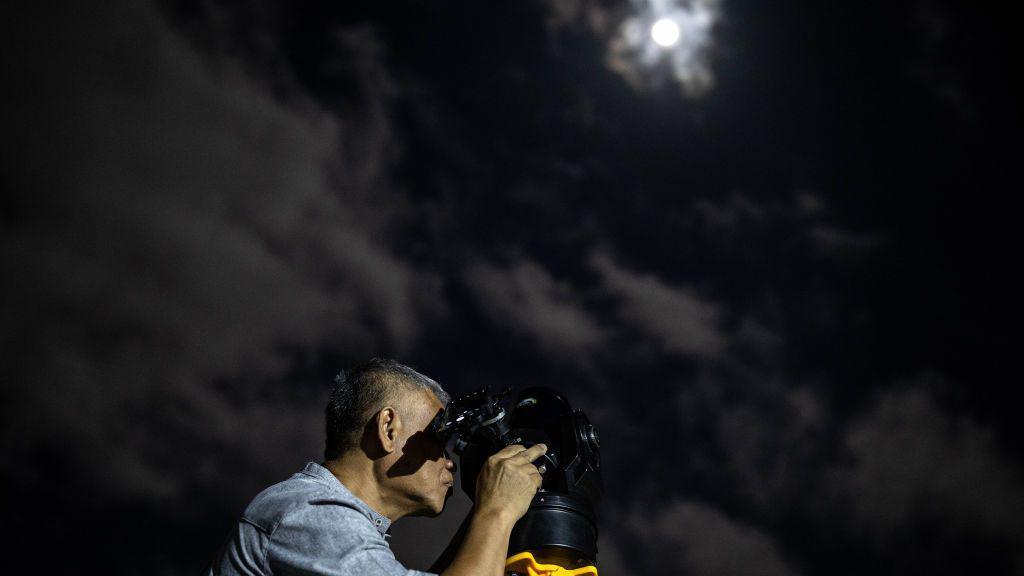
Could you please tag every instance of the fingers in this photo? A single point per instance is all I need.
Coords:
(518, 451)
(509, 451)
(532, 453)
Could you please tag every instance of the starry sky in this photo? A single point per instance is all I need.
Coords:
(765, 261)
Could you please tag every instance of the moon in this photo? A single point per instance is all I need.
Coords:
(665, 32)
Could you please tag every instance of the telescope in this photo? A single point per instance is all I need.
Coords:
(558, 534)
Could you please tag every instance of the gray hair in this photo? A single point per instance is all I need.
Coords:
(361, 392)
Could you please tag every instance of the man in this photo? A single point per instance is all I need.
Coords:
(381, 463)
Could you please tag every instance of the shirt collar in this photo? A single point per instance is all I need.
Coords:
(323, 475)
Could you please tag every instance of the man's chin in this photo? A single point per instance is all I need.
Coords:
(447, 495)
(429, 512)
(433, 510)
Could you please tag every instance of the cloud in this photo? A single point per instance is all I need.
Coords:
(689, 537)
(737, 210)
(630, 52)
(833, 240)
(177, 228)
(769, 441)
(744, 225)
(675, 316)
(527, 299)
(587, 14)
(644, 64)
(907, 461)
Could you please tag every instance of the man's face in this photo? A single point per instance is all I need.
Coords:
(422, 471)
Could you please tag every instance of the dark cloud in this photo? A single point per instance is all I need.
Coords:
(905, 459)
(830, 240)
(687, 537)
(526, 298)
(559, 320)
(585, 15)
(674, 316)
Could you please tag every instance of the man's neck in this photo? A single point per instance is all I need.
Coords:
(357, 474)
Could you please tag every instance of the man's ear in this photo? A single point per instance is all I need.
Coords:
(388, 427)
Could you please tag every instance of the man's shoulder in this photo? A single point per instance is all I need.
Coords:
(271, 506)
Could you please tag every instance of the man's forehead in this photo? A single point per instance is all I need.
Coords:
(431, 401)
(422, 400)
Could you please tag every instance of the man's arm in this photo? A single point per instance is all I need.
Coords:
(505, 487)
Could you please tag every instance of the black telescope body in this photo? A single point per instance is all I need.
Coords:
(562, 515)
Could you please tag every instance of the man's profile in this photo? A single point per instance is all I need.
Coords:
(380, 463)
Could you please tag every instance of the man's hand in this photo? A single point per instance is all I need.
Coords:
(504, 489)
(508, 481)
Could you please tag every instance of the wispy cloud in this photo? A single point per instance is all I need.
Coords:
(674, 316)
(643, 63)
(526, 298)
(689, 537)
(906, 460)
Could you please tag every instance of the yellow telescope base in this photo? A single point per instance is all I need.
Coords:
(524, 563)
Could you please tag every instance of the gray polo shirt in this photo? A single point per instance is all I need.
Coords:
(309, 524)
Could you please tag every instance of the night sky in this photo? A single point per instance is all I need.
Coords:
(763, 261)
